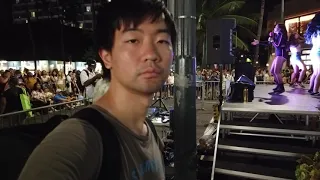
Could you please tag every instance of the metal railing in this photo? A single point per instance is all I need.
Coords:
(41, 114)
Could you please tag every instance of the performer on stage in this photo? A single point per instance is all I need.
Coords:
(295, 41)
(278, 38)
(312, 36)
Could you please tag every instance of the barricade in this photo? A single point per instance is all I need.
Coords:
(41, 114)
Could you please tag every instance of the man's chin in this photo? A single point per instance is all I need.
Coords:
(150, 90)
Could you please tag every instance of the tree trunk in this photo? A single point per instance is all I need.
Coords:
(256, 54)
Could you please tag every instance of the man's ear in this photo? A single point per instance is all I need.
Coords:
(106, 58)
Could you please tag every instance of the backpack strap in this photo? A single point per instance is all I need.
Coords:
(87, 72)
(111, 158)
(153, 129)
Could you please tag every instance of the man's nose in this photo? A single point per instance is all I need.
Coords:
(151, 53)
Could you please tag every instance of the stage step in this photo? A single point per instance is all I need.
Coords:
(269, 128)
(257, 160)
(257, 156)
(262, 148)
(245, 170)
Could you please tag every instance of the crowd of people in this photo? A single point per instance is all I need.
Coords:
(45, 88)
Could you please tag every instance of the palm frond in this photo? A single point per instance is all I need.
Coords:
(227, 8)
(242, 20)
(239, 43)
(247, 31)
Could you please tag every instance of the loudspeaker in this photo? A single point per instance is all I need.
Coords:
(246, 69)
(236, 94)
(219, 44)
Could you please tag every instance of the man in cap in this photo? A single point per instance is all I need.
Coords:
(88, 78)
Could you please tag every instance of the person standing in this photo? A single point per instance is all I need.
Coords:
(88, 78)
(135, 45)
(278, 38)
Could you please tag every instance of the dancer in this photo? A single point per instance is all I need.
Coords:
(312, 36)
(295, 41)
(278, 38)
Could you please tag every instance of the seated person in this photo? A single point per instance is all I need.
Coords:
(48, 95)
(59, 97)
(38, 97)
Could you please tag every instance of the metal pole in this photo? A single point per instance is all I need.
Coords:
(171, 7)
(185, 93)
(282, 11)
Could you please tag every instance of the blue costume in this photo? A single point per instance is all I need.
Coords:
(279, 43)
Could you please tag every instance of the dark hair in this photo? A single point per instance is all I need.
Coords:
(112, 15)
(13, 81)
(56, 71)
(283, 29)
(35, 86)
(313, 28)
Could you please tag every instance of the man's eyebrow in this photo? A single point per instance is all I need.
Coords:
(158, 31)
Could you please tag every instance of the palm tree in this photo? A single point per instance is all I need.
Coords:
(219, 9)
(256, 54)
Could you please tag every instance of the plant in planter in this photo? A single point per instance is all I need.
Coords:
(308, 168)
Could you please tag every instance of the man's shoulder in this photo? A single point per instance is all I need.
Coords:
(80, 127)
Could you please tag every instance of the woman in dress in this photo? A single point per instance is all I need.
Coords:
(295, 41)
(278, 38)
(312, 36)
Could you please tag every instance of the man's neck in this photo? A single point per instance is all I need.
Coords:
(129, 108)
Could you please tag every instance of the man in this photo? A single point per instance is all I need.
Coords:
(135, 44)
(88, 78)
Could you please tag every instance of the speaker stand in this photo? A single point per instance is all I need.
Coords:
(161, 102)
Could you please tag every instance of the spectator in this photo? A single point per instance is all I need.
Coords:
(59, 97)
(10, 101)
(30, 80)
(4, 78)
(88, 78)
(69, 82)
(38, 96)
(61, 81)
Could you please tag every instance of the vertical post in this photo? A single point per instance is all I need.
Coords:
(282, 11)
(185, 93)
(93, 12)
(171, 7)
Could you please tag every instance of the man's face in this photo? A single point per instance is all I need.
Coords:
(92, 67)
(141, 57)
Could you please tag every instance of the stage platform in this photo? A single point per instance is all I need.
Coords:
(296, 101)
(292, 102)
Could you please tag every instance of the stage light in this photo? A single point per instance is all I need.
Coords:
(257, 62)
(267, 65)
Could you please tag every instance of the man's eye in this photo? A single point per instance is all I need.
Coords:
(133, 41)
(164, 42)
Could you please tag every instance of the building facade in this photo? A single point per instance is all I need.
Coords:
(75, 13)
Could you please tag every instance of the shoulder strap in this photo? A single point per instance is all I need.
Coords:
(111, 161)
(86, 72)
(153, 129)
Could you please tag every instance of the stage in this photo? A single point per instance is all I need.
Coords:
(256, 148)
(292, 102)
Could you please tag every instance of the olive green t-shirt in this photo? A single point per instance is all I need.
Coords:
(73, 151)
